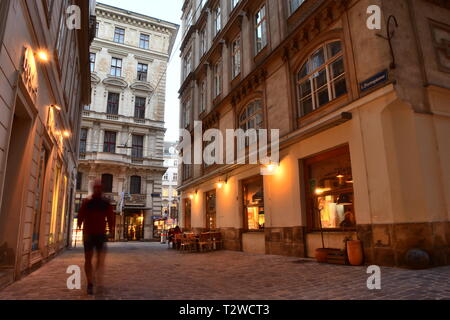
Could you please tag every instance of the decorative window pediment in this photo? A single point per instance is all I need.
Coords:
(115, 82)
(142, 87)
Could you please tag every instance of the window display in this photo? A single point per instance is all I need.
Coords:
(253, 192)
(329, 191)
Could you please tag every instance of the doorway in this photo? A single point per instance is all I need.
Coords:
(134, 226)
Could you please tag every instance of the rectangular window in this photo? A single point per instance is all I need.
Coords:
(294, 5)
(83, 140)
(113, 103)
(92, 57)
(329, 191)
(142, 72)
(137, 151)
(261, 29)
(217, 79)
(135, 185)
(144, 41)
(236, 57)
(116, 67)
(217, 21)
(166, 177)
(203, 96)
(174, 176)
(187, 113)
(79, 180)
(234, 3)
(119, 35)
(202, 42)
(97, 27)
(187, 64)
(253, 195)
(139, 108)
(107, 183)
(187, 171)
(109, 144)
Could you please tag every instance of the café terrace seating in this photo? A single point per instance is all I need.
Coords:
(203, 242)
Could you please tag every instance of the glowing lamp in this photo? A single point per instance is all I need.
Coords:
(66, 134)
(42, 55)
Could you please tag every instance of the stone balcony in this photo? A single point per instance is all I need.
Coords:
(89, 114)
(135, 200)
(93, 156)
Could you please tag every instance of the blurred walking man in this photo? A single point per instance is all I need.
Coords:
(93, 214)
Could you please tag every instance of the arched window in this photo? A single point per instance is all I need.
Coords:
(322, 78)
(252, 117)
(135, 185)
(107, 183)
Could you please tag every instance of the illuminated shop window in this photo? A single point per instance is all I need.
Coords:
(329, 191)
(253, 194)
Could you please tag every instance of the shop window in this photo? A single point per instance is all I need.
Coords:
(135, 185)
(329, 191)
(107, 183)
(322, 78)
(40, 196)
(253, 195)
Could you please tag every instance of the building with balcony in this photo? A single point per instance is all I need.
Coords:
(363, 122)
(122, 131)
(44, 84)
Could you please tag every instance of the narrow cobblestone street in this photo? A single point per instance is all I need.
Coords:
(151, 271)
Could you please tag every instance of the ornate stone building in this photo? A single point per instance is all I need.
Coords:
(170, 181)
(122, 131)
(364, 122)
(44, 84)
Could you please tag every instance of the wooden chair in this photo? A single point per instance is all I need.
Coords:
(188, 243)
(204, 241)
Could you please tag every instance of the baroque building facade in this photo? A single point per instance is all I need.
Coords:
(44, 84)
(363, 121)
(122, 132)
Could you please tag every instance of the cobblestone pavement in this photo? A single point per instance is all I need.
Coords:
(152, 271)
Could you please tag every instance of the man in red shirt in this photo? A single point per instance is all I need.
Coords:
(93, 214)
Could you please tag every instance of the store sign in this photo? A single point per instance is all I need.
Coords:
(374, 81)
(29, 73)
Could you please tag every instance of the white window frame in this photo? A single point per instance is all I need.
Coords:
(262, 24)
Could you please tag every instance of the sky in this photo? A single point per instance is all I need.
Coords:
(169, 10)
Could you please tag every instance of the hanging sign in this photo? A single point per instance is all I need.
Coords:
(29, 74)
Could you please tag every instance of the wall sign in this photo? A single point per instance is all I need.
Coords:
(29, 73)
(374, 81)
